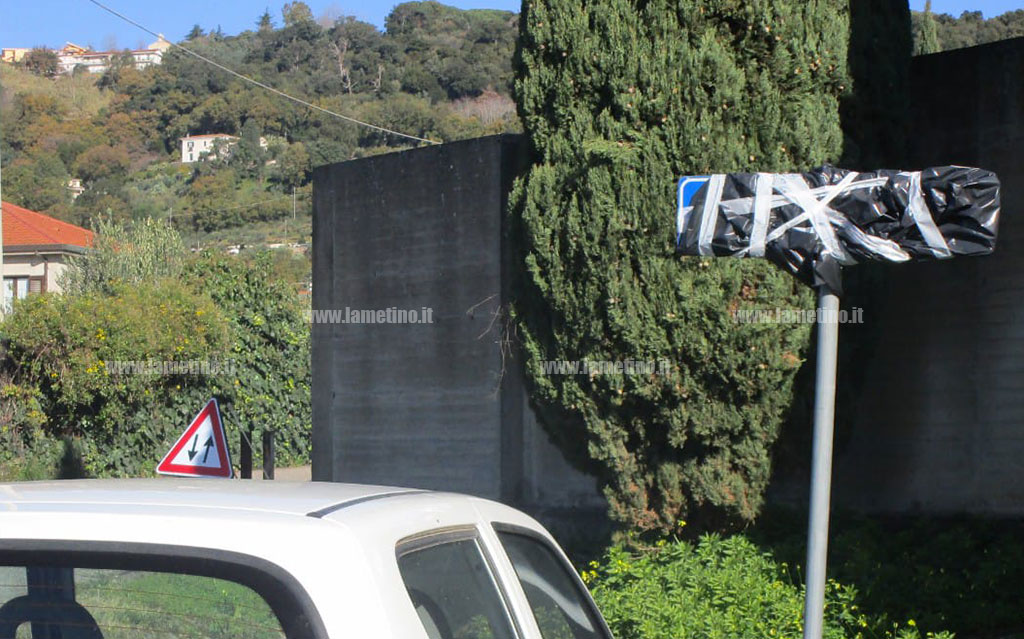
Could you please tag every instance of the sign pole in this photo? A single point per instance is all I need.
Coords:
(821, 465)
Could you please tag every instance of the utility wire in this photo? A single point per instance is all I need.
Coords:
(257, 82)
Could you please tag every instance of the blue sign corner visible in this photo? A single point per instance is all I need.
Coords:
(688, 187)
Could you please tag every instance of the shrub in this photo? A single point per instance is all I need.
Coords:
(961, 574)
(721, 588)
(270, 391)
(26, 451)
(142, 252)
(67, 349)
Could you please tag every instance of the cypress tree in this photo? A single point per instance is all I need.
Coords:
(619, 98)
(927, 40)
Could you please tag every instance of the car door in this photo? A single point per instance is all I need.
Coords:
(559, 603)
(465, 585)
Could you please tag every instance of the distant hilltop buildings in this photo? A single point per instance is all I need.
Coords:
(73, 56)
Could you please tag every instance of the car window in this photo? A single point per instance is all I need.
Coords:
(561, 608)
(454, 591)
(129, 604)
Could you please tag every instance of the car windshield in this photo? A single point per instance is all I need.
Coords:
(44, 602)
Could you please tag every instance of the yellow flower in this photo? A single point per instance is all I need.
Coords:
(911, 623)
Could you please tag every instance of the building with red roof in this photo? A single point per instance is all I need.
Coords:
(36, 249)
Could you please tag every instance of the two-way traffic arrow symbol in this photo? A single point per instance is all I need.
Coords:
(192, 453)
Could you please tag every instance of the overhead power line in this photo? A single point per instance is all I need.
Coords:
(258, 83)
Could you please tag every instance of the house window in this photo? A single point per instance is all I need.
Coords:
(18, 288)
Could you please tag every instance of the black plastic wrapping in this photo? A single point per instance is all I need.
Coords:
(884, 215)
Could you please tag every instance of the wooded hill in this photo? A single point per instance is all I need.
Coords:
(434, 72)
(935, 32)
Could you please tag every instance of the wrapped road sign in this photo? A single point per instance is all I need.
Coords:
(813, 223)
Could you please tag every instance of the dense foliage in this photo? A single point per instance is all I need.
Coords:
(125, 255)
(943, 32)
(71, 348)
(123, 360)
(270, 349)
(957, 574)
(434, 72)
(619, 99)
(724, 589)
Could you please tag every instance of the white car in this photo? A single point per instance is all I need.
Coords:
(169, 558)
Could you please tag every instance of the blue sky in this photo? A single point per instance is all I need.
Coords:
(28, 23)
(52, 22)
(989, 8)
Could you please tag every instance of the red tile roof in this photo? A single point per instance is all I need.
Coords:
(23, 227)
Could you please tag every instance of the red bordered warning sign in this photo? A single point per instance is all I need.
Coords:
(202, 449)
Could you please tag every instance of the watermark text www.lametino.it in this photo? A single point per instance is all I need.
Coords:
(603, 367)
(797, 316)
(157, 368)
(393, 315)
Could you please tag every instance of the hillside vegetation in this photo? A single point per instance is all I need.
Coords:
(434, 72)
(942, 32)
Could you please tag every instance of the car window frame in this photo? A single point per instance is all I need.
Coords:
(450, 534)
(283, 593)
(563, 561)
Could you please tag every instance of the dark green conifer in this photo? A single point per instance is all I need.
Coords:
(619, 98)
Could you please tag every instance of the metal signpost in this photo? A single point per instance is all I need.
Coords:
(821, 461)
(836, 218)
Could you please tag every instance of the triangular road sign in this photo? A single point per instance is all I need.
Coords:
(202, 449)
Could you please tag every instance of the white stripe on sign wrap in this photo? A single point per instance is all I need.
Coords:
(762, 212)
(923, 218)
(710, 213)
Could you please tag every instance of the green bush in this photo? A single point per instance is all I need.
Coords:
(68, 348)
(66, 395)
(270, 391)
(959, 574)
(141, 252)
(27, 452)
(722, 588)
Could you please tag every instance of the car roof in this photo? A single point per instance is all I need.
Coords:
(121, 495)
(337, 542)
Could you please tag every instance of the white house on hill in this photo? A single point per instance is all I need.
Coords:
(195, 148)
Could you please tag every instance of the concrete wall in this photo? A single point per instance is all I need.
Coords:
(941, 427)
(438, 405)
